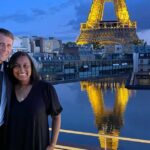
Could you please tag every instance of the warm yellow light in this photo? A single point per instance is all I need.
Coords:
(89, 30)
(96, 99)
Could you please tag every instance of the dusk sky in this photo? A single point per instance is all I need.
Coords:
(62, 18)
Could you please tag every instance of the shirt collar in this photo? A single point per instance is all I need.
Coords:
(1, 67)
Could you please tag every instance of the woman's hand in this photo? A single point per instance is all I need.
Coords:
(50, 147)
(56, 121)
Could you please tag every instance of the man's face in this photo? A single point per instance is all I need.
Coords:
(6, 44)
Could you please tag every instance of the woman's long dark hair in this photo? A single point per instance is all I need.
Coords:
(34, 75)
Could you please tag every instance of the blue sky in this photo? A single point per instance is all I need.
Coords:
(62, 18)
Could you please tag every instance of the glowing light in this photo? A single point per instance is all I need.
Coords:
(107, 121)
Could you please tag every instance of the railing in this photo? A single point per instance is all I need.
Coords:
(100, 135)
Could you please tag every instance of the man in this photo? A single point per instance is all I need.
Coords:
(6, 43)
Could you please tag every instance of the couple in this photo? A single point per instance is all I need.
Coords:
(25, 102)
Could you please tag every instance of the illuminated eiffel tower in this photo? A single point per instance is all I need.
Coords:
(108, 122)
(95, 30)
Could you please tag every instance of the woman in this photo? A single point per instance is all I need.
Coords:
(32, 101)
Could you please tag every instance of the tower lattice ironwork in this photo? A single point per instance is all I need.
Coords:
(95, 30)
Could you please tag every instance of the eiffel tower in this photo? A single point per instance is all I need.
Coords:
(95, 30)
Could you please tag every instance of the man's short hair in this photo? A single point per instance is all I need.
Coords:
(6, 33)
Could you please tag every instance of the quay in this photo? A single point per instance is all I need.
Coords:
(77, 70)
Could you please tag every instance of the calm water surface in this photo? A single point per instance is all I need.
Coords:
(104, 107)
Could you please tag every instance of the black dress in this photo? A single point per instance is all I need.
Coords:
(28, 121)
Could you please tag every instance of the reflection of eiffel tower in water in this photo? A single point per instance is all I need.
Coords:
(108, 122)
(122, 31)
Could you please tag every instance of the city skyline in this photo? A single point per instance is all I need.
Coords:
(62, 18)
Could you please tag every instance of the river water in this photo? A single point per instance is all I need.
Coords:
(104, 107)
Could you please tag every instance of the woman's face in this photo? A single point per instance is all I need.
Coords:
(22, 70)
